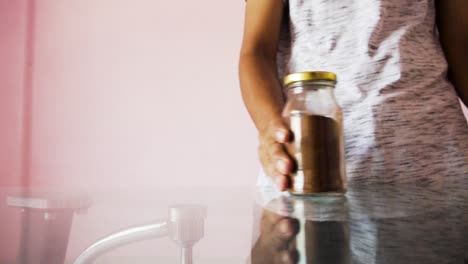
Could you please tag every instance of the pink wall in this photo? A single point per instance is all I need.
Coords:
(12, 59)
(139, 93)
(12, 46)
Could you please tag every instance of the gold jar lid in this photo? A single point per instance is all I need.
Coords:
(309, 76)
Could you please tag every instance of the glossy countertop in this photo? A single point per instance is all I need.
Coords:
(414, 222)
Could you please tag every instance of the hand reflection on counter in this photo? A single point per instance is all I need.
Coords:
(285, 239)
(277, 241)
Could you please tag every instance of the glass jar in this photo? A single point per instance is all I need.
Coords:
(317, 146)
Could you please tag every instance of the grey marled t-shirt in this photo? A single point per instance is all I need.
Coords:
(402, 117)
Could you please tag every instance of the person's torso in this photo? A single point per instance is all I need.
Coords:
(401, 115)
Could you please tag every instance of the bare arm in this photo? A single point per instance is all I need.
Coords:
(452, 22)
(260, 87)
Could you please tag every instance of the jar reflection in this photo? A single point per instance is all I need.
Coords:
(292, 236)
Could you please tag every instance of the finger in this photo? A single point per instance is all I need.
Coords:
(283, 162)
(270, 169)
(282, 182)
(287, 257)
(268, 221)
(278, 243)
(283, 165)
(281, 131)
(277, 178)
(281, 135)
(294, 222)
(284, 227)
(293, 255)
(288, 227)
